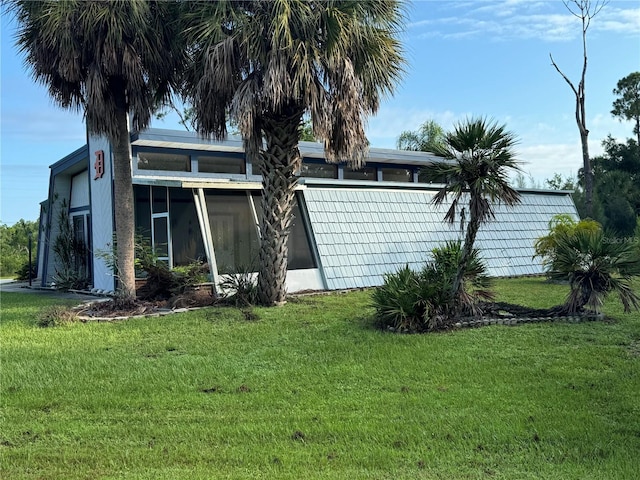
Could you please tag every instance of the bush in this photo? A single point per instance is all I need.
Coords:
(23, 272)
(239, 289)
(595, 265)
(411, 301)
(164, 283)
(55, 316)
(476, 283)
(161, 282)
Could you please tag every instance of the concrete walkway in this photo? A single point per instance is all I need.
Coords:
(12, 286)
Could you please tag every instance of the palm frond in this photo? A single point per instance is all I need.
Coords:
(333, 60)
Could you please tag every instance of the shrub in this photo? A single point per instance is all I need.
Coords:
(161, 282)
(69, 279)
(23, 272)
(421, 301)
(476, 283)
(239, 289)
(71, 255)
(595, 265)
(187, 276)
(55, 316)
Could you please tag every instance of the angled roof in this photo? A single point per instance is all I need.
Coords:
(363, 233)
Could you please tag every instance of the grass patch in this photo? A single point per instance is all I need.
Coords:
(312, 390)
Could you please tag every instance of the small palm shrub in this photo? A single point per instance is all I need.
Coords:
(418, 301)
(476, 283)
(71, 256)
(595, 265)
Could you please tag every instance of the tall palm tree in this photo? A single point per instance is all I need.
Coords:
(478, 157)
(264, 64)
(111, 59)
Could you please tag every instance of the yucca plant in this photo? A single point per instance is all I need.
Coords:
(595, 265)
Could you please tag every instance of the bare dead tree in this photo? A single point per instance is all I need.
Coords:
(585, 10)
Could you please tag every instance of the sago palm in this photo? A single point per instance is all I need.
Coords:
(264, 64)
(110, 59)
(596, 265)
(478, 156)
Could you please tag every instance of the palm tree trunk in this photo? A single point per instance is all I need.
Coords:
(280, 161)
(467, 248)
(123, 195)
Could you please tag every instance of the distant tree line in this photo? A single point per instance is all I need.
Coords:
(14, 252)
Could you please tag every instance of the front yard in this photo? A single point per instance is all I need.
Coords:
(314, 390)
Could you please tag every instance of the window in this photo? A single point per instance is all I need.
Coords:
(164, 161)
(186, 239)
(397, 174)
(211, 164)
(159, 200)
(299, 251)
(319, 170)
(234, 232)
(365, 173)
(82, 256)
(161, 237)
(174, 213)
(142, 211)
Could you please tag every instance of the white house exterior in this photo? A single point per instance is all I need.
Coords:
(199, 199)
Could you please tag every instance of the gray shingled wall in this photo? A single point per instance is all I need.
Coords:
(361, 234)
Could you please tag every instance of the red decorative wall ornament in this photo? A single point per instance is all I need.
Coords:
(99, 164)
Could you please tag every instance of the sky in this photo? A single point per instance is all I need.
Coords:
(464, 58)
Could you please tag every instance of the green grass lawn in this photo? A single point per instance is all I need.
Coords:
(312, 390)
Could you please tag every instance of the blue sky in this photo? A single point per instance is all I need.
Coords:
(464, 58)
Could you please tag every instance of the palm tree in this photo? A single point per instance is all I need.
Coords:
(264, 65)
(425, 139)
(595, 265)
(478, 156)
(111, 59)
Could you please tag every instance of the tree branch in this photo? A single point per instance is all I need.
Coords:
(566, 79)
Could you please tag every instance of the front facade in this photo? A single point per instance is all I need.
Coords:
(200, 200)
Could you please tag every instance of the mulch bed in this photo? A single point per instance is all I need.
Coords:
(492, 312)
(113, 308)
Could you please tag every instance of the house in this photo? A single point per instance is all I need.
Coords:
(200, 199)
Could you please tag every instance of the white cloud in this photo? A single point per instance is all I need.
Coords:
(520, 19)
